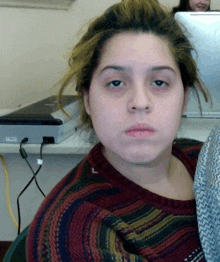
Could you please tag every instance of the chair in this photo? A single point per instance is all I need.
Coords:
(17, 250)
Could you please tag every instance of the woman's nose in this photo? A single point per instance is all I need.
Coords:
(140, 99)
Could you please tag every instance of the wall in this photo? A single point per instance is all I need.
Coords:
(35, 45)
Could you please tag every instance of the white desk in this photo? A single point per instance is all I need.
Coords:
(197, 128)
(78, 143)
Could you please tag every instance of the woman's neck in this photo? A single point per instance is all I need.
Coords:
(142, 173)
(166, 176)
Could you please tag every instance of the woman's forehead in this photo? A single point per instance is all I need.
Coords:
(129, 48)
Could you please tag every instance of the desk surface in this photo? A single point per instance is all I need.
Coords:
(76, 144)
(196, 128)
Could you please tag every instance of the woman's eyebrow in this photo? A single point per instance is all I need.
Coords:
(116, 68)
(128, 69)
(160, 68)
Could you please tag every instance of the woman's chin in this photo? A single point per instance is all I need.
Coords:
(139, 158)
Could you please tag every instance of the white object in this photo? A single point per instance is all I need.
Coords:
(39, 162)
(203, 30)
(42, 119)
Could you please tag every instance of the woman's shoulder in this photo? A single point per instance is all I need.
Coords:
(187, 151)
(188, 145)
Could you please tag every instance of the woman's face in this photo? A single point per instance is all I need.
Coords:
(199, 5)
(136, 97)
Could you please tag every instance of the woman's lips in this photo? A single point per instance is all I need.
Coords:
(140, 131)
(201, 7)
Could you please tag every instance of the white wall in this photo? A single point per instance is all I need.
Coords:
(35, 44)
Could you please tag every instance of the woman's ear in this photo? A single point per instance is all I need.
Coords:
(186, 98)
(86, 101)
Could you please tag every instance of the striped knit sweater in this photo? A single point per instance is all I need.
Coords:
(95, 214)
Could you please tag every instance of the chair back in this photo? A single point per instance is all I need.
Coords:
(17, 250)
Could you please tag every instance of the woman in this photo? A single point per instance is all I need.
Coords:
(131, 198)
(192, 5)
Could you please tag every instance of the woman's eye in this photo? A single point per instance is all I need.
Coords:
(115, 83)
(160, 83)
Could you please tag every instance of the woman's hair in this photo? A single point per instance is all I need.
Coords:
(134, 16)
(183, 6)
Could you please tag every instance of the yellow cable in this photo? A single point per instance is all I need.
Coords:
(7, 193)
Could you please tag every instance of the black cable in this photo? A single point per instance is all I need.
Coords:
(35, 173)
(24, 156)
